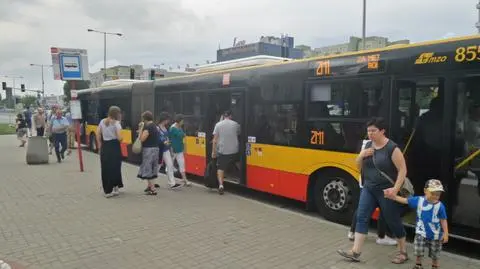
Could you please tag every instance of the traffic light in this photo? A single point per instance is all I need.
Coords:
(152, 74)
(4, 85)
(22, 87)
(132, 73)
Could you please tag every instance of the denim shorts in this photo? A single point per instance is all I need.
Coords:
(391, 212)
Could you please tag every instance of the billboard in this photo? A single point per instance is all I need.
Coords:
(70, 64)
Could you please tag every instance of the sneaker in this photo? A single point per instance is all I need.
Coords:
(220, 190)
(176, 186)
(351, 236)
(387, 241)
(115, 191)
(109, 195)
(187, 183)
(62, 155)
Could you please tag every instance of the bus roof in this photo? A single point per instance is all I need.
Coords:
(389, 48)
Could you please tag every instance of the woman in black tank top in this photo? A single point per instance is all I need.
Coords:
(380, 157)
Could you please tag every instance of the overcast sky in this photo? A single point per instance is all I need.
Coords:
(180, 32)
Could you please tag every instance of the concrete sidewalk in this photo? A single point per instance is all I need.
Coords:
(53, 216)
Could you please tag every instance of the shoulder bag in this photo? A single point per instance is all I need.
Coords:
(406, 190)
(137, 145)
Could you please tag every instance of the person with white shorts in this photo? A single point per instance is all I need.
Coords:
(176, 136)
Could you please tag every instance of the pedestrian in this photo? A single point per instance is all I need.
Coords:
(431, 225)
(59, 130)
(108, 140)
(51, 139)
(70, 133)
(148, 134)
(380, 156)
(225, 146)
(177, 136)
(384, 235)
(40, 121)
(164, 145)
(28, 119)
(21, 129)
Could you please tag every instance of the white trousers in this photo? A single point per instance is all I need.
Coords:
(167, 159)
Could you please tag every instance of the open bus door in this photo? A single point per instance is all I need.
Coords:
(219, 102)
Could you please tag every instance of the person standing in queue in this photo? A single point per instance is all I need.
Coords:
(59, 130)
(164, 145)
(177, 135)
(108, 141)
(148, 133)
(225, 146)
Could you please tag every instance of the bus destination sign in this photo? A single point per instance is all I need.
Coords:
(351, 65)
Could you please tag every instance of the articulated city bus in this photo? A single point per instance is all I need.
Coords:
(303, 122)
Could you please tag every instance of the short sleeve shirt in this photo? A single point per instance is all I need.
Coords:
(152, 139)
(228, 132)
(428, 217)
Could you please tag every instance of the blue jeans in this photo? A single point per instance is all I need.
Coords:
(390, 210)
(60, 139)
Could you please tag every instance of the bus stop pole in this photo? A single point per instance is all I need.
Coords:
(77, 127)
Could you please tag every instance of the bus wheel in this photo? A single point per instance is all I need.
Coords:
(93, 143)
(336, 196)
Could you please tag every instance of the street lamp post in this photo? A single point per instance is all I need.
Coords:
(104, 48)
(43, 79)
(364, 26)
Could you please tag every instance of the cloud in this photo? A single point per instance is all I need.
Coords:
(180, 32)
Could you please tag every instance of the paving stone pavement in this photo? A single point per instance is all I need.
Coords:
(53, 216)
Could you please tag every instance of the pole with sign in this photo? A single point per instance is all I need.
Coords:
(71, 65)
(76, 112)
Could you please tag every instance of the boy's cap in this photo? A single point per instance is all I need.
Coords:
(434, 185)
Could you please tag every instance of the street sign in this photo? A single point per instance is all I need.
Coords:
(76, 109)
(69, 64)
(73, 94)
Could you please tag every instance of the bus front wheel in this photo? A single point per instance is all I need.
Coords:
(93, 143)
(336, 196)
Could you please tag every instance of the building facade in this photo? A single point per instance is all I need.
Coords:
(267, 45)
(123, 72)
(356, 44)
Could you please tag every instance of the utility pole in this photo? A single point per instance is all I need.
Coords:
(43, 78)
(104, 49)
(364, 27)
(478, 23)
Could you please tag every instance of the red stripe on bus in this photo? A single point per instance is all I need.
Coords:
(286, 184)
(195, 165)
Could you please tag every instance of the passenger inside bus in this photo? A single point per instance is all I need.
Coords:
(424, 156)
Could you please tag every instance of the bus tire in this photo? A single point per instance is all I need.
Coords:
(93, 143)
(336, 195)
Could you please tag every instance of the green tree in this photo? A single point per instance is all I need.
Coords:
(29, 100)
(79, 85)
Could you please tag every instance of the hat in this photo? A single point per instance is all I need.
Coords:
(434, 185)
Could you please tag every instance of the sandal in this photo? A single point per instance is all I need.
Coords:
(151, 191)
(400, 258)
(354, 257)
(418, 266)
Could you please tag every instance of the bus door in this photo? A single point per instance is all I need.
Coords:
(219, 102)
(463, 188)
(416, 122)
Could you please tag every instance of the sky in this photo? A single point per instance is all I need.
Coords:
(180, 32)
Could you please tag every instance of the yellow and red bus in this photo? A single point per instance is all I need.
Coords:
(303, 121)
